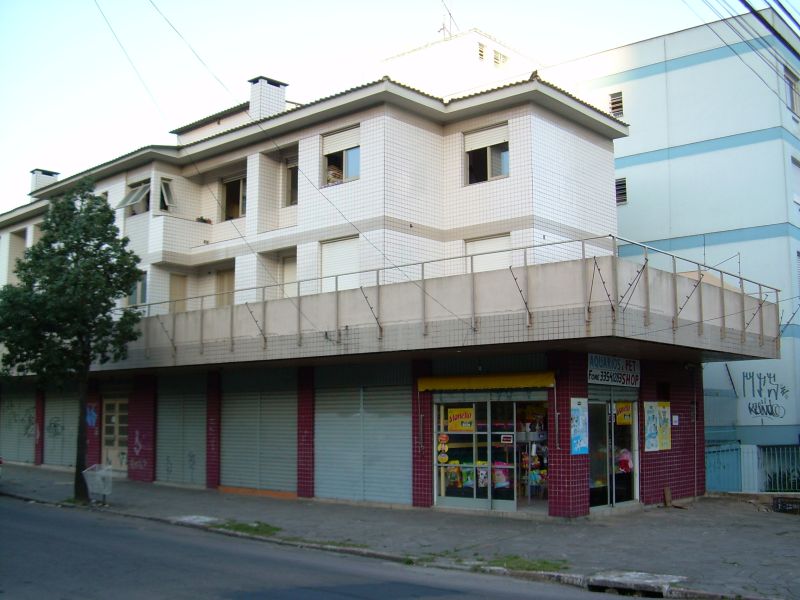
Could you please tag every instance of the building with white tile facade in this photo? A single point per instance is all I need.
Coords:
(388, 296)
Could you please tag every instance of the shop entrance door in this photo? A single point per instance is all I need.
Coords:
(115, 434)
(612, 450)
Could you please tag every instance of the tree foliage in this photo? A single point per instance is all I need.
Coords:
(62, 315)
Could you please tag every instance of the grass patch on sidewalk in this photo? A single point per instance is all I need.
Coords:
(512, 562)
(339, 543)
(257, 528)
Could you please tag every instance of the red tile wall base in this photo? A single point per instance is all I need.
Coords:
(142, 429)
(38, 440)
(305, 432)
(94, 420)
(213, 428)
(422, 442)
(682, 468)
(568, 475)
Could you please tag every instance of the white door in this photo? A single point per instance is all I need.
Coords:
(499, 258)
(340, 256)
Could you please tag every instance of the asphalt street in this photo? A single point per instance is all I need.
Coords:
(52, 552)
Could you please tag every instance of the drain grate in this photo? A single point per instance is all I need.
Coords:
(786, 504)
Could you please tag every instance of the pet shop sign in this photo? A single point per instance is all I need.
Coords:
(613, 370)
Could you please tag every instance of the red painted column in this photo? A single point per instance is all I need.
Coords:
(421, 438)
(567, 475)
(213, 428)
(38, 429)
(93, 425)
(305, 432)
(142, 429)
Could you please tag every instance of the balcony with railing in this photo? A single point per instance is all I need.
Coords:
(578, 295)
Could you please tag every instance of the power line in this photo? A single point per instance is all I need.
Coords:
(130, 60)
(320, 192)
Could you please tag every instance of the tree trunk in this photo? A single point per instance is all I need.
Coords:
(81, 490)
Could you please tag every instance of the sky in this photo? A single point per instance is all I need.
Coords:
(76, 94)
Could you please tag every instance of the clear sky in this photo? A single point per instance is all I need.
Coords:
(71, 99)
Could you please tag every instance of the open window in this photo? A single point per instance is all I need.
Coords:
(138, 294)
(621, 190)
(486, 153)
(342, 155)
(137, 200)
(167, 201)
(235, 198)
(291, 180)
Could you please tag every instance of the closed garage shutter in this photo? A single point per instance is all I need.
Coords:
(259, 431)
(60, 428)
(181, 430)
(17, 424)
(387, 445)
(338, 468)
(363, 444)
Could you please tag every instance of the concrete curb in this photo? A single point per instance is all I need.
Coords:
(571, 579)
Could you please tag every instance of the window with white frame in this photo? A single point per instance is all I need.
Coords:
(138, 294)
(137, 200)
(489, 253)
(621, 190)
(499, 59)
(235, 197)
(792, 90)
(486, 153)
(341, 151)
(615, 104)
(291, 180)
(167, 200)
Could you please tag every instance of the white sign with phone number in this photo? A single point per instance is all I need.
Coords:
(613, 370)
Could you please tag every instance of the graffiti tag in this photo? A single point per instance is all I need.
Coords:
(55, 427)
(766, 394)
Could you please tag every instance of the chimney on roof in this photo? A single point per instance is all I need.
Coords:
(41, 178)
(267, 97)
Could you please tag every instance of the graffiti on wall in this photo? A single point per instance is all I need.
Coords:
(55, 428)
(764, 394)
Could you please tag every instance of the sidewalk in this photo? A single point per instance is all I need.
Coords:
(716, 547)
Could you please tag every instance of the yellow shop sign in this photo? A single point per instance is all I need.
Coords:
(461, 419)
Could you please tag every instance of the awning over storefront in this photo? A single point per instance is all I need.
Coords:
(498, 381)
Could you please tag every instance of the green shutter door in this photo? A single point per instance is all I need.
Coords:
(17, 424)
(362, 444)
(387, 445)
(338, 455)
(61, 410)
(259, 430)
(277, 454)
(181, 430)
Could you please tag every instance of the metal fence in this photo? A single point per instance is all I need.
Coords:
(780, 466)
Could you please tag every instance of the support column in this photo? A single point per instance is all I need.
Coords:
(422, 437)
(213, 428)
(38, 429)
(305, 432)
(94, 429)
(567, 475)
(142, 429)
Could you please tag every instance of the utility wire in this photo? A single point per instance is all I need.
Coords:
(321, 193)
(130, 60)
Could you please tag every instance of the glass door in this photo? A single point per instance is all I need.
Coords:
(115, 434)
(503, 455)
(462, 454)
(599, 493)
(612, 451)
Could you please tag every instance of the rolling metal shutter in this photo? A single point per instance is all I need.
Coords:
(612, 392)
(181, 430)
(387, 445)
(338, 467)
(61, 411)
(362, 444)
(341, 140)
(489, 262)
(483, 138)
(17, 424)
(259, 431)
(340, 256)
